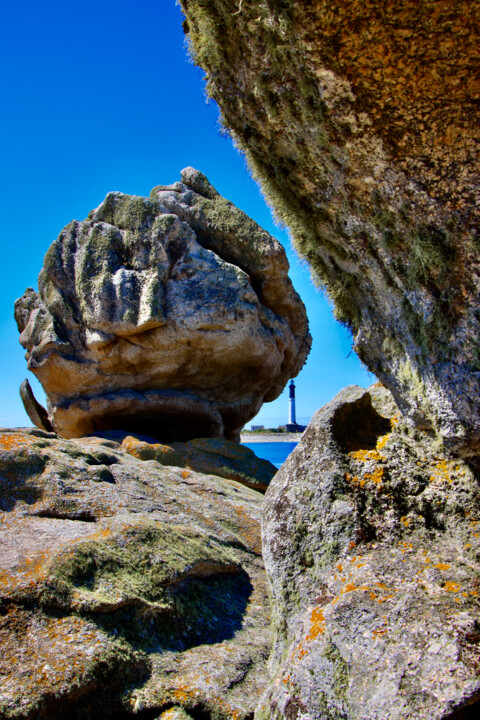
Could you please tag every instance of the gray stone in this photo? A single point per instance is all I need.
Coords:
(36, 412)
(172, 317)
(371, 542)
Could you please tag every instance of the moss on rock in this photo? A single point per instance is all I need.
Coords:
(363, 136)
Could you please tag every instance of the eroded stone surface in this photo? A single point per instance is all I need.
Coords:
(372, 543)
(210, 456)
(171, 316)
(361, 122)
(126, 586)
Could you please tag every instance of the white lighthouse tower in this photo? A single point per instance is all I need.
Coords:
(292, 420)
(292, 425)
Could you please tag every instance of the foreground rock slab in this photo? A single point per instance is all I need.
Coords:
(372, 547)
(127, 588)
(361, 123)
(171, 316)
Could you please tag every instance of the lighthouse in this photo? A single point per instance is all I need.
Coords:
(292, 420)
(292, 425)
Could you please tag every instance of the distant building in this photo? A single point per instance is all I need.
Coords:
(292, 425)
(257, 427)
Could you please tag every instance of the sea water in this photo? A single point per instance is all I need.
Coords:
(276, 452)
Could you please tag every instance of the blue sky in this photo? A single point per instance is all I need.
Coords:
(101, 96)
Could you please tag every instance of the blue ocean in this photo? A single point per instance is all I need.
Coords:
(276, 452)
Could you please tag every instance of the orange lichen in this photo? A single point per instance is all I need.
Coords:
(317, 624)
(382, 441)
(364, 455)
(442, 470)
(248, 529)
(355, 480)
(376, 476)
(14, 441)
(451, 586)
(442, 566)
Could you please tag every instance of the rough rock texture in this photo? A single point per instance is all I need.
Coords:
(171, 316)
(210, 456)
(36, 412)
(360, 119)
(127, 589)
(372, 546)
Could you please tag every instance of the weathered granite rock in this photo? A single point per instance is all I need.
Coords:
(360, 119)
(209, 456)
(372, 547)
(36, 412)
(171, 316)
(127, 589)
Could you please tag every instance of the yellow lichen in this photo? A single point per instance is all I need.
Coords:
(317, 624)
(382, 441)
(376, 476)
(364, 455)
(443, 470)
(451, 586)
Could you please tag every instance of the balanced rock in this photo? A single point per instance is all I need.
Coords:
(127, 588)
(171, 316)
(361, 122)
(371, 542)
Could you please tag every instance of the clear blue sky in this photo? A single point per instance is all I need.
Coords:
(100, 96)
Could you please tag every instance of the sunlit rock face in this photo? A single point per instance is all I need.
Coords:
(171, 316)
(361, 122)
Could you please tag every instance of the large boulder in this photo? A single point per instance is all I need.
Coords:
(360, 119)
(171, 316)
(371, 543)
(127, 588)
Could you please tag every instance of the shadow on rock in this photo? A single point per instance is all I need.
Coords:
(203, 611)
